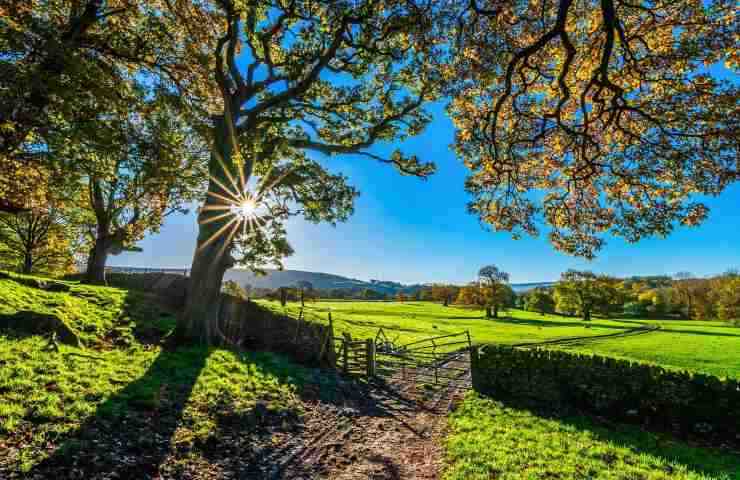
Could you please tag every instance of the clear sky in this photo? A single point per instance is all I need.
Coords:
(408, 230)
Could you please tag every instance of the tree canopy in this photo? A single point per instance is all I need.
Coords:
(63, 59)
(595, 117)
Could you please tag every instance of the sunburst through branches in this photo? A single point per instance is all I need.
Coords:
(241, 210)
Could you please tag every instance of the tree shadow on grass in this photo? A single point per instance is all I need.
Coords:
(699, 458)
(134, 434)
(130, 433)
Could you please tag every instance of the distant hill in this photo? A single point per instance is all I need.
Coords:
(287, 278)
(523, 287)
(325, 281)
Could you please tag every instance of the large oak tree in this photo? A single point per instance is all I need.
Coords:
(495, 280)
(296, 77)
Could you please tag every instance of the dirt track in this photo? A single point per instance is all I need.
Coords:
(382, 430)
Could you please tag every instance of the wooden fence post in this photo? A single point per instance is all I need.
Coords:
(345, 356)
(370, 357)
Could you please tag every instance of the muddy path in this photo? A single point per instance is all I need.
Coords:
(384, 429)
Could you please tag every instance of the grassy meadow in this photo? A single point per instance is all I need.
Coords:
(709, 347)
(409, 321)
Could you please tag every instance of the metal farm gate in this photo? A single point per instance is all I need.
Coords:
(441, 361)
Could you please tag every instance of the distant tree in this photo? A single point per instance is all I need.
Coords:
(369, 294)
(444, 293)
(728, 304)
(611, 297)
(401, 297)
(732, 273)
(635, 309)
(566, 302)
(494, 280)
(685, 287)
(539, 300)
(425, 294)
(304, 287)
(583, 290)
(37, 241)
(232, 288)
(507, 297)
(339, 293)
(472, 294)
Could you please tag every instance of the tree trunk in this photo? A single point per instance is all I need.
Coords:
(587, 315)
(27, 263)
(95, 273)
(199, 321)
(495, 310)
(488, 312)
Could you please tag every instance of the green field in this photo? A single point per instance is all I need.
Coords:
(409, 321)
(489, 440)
(710, 347)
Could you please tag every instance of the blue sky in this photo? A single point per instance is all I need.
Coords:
(409, 230)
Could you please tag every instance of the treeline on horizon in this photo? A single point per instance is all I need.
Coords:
(577, 293)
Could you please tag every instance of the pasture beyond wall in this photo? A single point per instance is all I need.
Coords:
(690, 404)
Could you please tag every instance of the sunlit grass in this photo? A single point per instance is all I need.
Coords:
(489, 440)
(711, 347)
(409, 321)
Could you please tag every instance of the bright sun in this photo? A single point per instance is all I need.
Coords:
(245, 209)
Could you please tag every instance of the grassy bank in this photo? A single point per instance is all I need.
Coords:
(132, 404)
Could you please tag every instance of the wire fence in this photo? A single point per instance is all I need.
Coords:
(134, 270)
